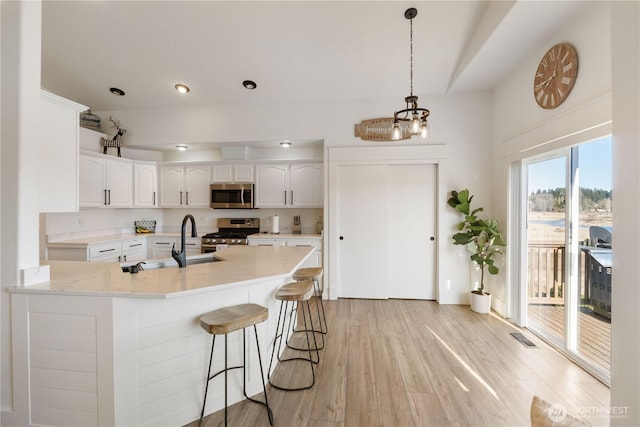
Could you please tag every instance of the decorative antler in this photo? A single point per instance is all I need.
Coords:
(116, 123)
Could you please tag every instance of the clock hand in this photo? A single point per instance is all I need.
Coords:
(546, 82)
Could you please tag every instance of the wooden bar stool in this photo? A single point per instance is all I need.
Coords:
(314, 273)
(296, 293)
(222, 322)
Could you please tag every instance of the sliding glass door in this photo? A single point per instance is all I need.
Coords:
(569, 248)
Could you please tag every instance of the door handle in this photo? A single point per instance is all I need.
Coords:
(105, 197)
(187, 199)
(109, 195)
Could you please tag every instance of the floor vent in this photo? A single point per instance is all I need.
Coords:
(524, 340)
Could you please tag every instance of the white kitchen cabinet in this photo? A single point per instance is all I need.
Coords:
(145, 185)
(295, 185)
(233, 172)
(267, 242)
(315, 260)
(160, 247)
(185, 186)
(105, 182)
(58, 153)
(134, 250)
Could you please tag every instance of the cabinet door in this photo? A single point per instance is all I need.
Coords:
(306, 185)
(223, 173)
(134, 250)
(243, 173)
(119, 184)
(171, 179)
(161, 247)
(197, 181)
(58, 152)
(145, 185)
(93, 185)
(272, 185)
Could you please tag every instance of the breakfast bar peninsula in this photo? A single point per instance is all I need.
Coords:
(95, 346)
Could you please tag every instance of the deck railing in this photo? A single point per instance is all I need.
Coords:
(546, 274)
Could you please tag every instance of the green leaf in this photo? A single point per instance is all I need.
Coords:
(493, 269)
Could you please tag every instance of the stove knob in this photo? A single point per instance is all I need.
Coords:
(223, 241)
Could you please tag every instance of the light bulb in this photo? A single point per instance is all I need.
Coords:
(425, 131)
(414, 125)
(396, 134)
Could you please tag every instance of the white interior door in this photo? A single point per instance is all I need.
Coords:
(411, 231)
(385, 222)
(362, 231)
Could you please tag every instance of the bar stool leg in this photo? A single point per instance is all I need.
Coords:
(206, 388)
(279, 335)
(324, 329)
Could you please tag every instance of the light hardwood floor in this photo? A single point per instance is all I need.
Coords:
(418, 363)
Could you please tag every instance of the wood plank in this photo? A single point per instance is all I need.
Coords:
(418, 363)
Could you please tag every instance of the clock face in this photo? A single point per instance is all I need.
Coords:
(555, 76)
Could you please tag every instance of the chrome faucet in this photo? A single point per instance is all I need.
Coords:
(181, 257)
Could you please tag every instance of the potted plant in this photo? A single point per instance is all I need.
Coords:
(483, 239)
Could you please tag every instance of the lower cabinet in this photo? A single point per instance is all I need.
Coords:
(314, 260)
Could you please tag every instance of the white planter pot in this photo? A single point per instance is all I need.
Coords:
(481, 303)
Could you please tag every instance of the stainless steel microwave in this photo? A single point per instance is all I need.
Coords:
(232, 196)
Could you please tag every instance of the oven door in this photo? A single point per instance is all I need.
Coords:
(232, 196)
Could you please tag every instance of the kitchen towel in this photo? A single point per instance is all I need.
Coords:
(275, 224)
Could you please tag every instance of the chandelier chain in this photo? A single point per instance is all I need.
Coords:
(411, 55)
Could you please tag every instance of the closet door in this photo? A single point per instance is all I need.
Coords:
(386, 231)
(362, 231)
(411, 229)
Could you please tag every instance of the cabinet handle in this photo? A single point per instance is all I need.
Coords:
(125, 258)
(119, 258)
(105, 197)
(109, 194)
(154, 198)
(190, 244)
(137, 244)
(181, 197)
(285, 197)
(163, 243)
(108, 250)
(292, 197)
(187, 198)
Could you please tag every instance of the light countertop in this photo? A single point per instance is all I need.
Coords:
(239, 265)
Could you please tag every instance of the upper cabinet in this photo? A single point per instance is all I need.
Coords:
(58, 153)
(105, 182)
(145, 185)
(227, 172)
(185, 186)
(289, 185)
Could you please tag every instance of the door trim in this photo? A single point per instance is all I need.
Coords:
(396, 155)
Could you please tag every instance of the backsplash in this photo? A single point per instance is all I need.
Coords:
(97, 222)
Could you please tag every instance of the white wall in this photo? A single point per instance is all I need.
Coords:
(520, 126)
(625, 337)
(20, 88)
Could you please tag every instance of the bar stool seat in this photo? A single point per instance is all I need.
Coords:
(294, 293)
(314, 274)
(222, 322)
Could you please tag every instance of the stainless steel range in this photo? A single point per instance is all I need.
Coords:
(231, 231)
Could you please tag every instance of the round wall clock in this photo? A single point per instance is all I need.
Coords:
(555, 76)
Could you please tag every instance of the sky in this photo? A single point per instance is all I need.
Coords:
(594, 160)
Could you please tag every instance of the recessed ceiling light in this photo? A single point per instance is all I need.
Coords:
(249, 84)
(116, 91)
(183, 89)
(285, 144)
(182, 147)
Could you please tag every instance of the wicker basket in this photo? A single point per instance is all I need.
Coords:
(145, 227)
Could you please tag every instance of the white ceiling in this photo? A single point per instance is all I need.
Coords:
(294, 50)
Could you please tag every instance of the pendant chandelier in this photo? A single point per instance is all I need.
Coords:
(416, 116)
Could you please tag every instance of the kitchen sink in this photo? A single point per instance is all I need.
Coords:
(169, 263)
